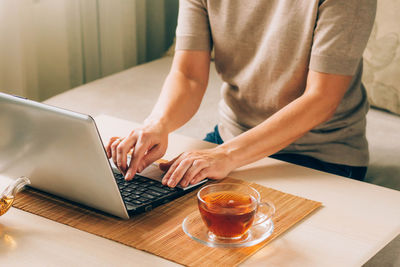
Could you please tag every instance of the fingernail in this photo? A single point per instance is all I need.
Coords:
(170, 183)
(128, 174)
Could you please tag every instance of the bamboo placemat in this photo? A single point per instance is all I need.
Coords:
(159, 231)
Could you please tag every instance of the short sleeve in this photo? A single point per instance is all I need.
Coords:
(341, 35)
(193, 30)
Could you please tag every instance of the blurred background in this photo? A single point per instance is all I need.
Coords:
(50, 46)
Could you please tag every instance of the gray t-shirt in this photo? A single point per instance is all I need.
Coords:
(263, 51)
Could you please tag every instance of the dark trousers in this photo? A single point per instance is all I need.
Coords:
(357, 173)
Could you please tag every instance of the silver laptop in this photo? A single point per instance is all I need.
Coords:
(61, 152)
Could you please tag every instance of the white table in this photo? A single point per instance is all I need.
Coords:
(357, 219)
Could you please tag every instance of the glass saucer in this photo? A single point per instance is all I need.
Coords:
(194, 227)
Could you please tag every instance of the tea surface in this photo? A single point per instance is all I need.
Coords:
(228, 214)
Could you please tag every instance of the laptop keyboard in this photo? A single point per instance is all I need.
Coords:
(142, 192)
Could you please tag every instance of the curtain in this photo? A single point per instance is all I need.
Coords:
(50, 46)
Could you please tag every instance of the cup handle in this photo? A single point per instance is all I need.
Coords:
(262, 216)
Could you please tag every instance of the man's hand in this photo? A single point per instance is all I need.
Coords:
(147, 143)
(192, 167)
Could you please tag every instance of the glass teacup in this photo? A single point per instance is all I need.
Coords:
(229, 210)
(7, 197)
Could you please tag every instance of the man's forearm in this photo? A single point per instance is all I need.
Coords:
(274, 134)
(179, 100)
(183, 89)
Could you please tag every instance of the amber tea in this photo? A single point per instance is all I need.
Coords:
(228, 214)
(5, 204)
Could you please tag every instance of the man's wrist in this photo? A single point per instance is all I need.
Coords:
(230, 154)
(158, 122)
